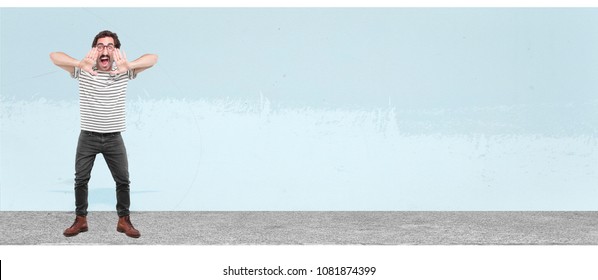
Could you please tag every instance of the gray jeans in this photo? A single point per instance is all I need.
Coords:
(112, 147)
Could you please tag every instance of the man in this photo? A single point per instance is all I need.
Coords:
(103, 75)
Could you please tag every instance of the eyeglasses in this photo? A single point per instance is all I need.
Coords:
(109, 47)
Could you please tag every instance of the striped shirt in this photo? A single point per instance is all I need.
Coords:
(102, 100)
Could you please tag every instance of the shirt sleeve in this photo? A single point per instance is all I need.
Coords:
(131, 74)
(76, 73)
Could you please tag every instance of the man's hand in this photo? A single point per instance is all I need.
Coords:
(122, 64)
(89, 61)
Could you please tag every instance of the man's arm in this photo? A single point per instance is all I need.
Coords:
(64, 61)
(68, 63)
(144, 62)
(123, 65)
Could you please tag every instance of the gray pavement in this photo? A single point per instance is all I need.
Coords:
(308, 228)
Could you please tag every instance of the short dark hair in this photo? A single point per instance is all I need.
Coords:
(106, 33)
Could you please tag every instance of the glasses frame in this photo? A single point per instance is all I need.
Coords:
(100, 47)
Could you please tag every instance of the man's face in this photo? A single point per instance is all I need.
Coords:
(105, 48)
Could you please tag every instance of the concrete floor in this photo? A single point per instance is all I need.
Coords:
(308, 228)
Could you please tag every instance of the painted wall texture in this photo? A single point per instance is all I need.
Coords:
(314, 108)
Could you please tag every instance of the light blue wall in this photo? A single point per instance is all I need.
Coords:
(314, 109)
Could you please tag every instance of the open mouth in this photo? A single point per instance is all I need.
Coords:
(104, 61)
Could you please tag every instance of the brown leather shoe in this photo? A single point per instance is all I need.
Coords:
(80, 225)
(124, 225)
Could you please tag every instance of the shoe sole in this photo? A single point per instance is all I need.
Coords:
(123, 231)
(80, 231)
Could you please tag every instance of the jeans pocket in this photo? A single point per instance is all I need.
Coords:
(114, 135)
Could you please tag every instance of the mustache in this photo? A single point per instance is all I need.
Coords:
(104, 56)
